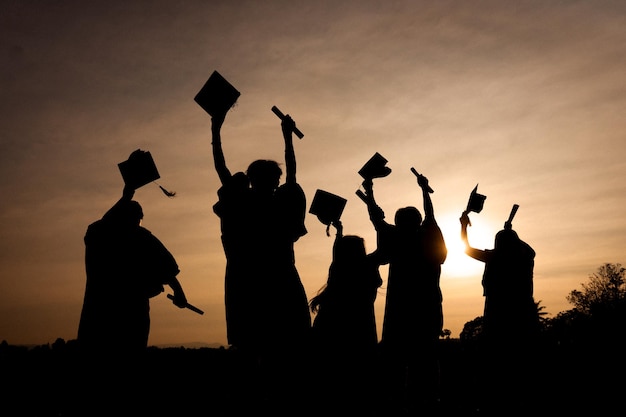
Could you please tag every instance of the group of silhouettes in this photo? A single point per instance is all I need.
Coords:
(270, 319)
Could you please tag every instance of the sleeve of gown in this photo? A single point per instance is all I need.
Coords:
(229, 193)
(384, 234)
(159, 265)
(435, 242)
(377, 216)
(292, 202)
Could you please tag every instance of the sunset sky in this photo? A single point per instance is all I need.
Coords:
(527, 99)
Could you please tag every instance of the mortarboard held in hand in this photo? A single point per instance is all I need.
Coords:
(375, 168)
(139, 169)
(328, 207)
(476, 202)
(217, 95)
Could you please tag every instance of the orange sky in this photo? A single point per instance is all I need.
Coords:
(524, 98)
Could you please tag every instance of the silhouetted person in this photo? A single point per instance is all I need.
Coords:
(344, 329)
(510, 312)
(126, 265)
(510, 318)
(413, 321)
(267, 311)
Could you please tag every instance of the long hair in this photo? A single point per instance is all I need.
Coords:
(348, 255)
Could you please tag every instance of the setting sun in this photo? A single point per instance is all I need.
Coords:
(458, 264)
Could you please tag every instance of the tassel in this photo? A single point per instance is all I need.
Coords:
(166, 192)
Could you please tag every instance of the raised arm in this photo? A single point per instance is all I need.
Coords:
(368, 195)
(429, 212)
(478, 254)
(288, 126)
(376, 214)
(338, 236)
(465, 221)
(127, 195)
(216, 143)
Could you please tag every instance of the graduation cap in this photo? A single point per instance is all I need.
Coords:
(476, 201)
(328, 207)
(217, 95)
(375, 168)
(139, 169)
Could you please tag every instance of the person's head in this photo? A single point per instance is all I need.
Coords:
(130, 213)
(349, 247)
(408, 218)
(506, 239)
(264, 174)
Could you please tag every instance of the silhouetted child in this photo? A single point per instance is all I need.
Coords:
(344, 328)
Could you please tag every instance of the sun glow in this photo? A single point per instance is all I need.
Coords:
(458, 264)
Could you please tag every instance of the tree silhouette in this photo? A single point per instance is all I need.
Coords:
(543, 320)
(606, 289)
(597, 320)
(472, 330)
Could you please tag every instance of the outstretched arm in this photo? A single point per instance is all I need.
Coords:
(288, 126)
(216, 143)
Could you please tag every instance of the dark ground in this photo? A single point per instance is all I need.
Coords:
(48, 381)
